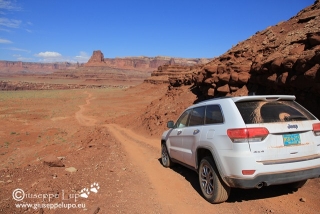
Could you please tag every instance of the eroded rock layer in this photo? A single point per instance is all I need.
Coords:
(140, 63)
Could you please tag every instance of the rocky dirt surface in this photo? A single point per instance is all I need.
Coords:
(69, 143)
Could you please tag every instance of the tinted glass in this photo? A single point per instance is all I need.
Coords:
(270, 112)
(197, 116)
(183, 120)
(213, 114)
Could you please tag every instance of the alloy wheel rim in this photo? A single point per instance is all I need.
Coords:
(164, 155)
(207, 180)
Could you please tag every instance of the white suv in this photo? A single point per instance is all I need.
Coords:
(245, 142)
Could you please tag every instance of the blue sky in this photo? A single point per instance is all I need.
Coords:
(70, 30)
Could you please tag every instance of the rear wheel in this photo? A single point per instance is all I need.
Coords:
(165, 158)
(213, 188)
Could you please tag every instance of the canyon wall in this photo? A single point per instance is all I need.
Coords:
(13, 67)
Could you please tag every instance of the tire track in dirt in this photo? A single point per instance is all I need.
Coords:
(81, 118)
(171, 188)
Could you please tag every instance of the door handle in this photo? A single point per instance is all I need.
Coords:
(196, 131)
(179, 132)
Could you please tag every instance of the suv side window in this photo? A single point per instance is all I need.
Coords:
(183, 120)
(213, 114)
(197, 116)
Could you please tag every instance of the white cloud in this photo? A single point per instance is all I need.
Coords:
(24, 59)
(6, 30)
(21, 58)
(5, 41)
(83, 57)
(11, 23)
(51, 56)
(9, 5)
(48, 54)
(16, 49)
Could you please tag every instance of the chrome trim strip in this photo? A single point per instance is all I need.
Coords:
(289, 160)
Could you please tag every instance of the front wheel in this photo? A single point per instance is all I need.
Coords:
(165, 158)
(213, 188)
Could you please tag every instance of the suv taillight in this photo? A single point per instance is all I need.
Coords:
(316, 129)
(248, 134)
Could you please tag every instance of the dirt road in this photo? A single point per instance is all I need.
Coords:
(82, 119)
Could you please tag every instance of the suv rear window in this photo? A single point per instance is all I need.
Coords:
(197, 116)
(213, 114)
(269, 112)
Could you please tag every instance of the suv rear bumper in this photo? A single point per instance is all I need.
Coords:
(273, 179)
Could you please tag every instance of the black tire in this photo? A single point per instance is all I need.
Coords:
(213, 188)
(165, 158)
(297, 185)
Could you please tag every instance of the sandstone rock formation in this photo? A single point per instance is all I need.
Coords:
(141, 63)
(176, 75)
(97, 59)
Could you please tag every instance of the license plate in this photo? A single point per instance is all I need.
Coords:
(291, 139)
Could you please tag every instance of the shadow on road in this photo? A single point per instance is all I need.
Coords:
(237, 195)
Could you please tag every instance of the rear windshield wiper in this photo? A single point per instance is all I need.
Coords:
(295, 117)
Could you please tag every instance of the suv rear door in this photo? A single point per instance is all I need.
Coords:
(291, 137)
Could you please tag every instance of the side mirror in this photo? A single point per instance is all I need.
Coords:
(170, 124)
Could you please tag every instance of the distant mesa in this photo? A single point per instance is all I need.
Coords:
(141, 63)
(18, 67)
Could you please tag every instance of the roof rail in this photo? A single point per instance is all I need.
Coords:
(216, 98)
